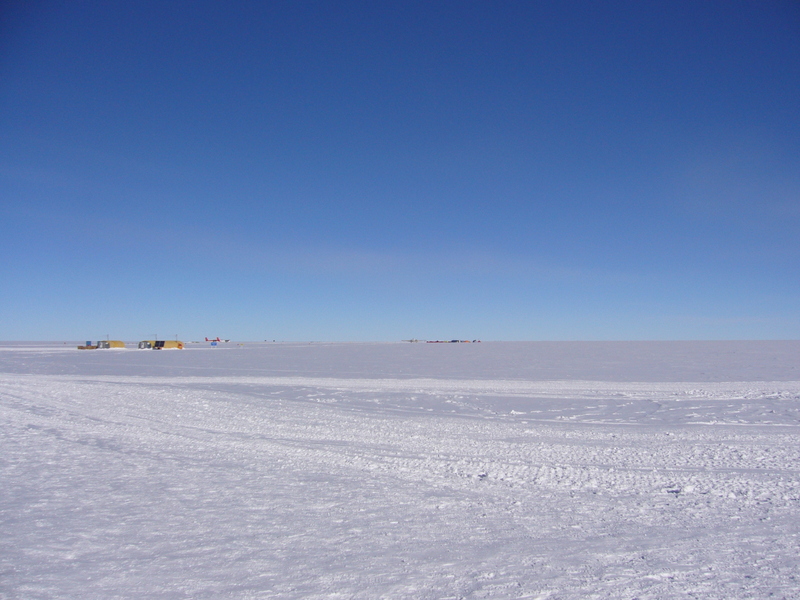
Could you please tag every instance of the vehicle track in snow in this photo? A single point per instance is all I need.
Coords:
(279, 486)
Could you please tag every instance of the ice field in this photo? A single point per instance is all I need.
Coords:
(364, 471)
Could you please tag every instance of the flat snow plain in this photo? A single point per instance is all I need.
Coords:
(363, 471)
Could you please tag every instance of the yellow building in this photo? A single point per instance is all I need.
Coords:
(110, 344)
(161, 344)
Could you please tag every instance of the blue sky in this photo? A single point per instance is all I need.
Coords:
(385, 170)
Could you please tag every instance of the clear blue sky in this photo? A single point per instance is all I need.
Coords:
(384, 170)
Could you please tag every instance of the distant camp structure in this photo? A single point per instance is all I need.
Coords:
(414, 340)
(110, 344)
(161, 345)
(102, 344)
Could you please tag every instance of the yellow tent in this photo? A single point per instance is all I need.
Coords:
(159, 344)
(110, 344)
(170, 344)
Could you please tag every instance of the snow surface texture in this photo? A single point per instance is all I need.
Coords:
(494, 470)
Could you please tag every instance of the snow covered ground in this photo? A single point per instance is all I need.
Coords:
(493, 470)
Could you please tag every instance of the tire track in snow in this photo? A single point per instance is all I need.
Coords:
(426, 503)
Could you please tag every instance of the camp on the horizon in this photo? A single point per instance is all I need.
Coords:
(102, 344)
(161, 345)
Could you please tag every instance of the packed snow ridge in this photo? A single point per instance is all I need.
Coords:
(493, 470)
